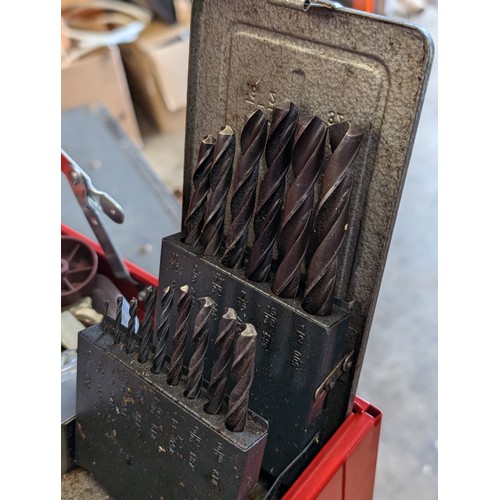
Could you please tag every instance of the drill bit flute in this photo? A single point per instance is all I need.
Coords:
(129, 345)
(196, 211)
(253, 141)
(200, 344)
(220, 180)
(331, 219)
(268, 211)
(162, 329)
(223, 343)
(242, 371)
(307, 157)
(146, 330)
(180, 335)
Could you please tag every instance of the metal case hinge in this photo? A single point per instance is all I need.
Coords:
(305, 5)
(341, 367)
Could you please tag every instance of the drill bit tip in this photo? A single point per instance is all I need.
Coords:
(230, 313)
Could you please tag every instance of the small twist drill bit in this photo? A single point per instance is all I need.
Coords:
(200, 344)
(105, 318)
(220, 180)
(268, 209)
(118, 319)
(196, 211)
(129, 346)
(180, 335)
(242, 371)
(146, 331)
(223, 344)
(307, 158)
(331, 219)
(160, 356)
(252, 142)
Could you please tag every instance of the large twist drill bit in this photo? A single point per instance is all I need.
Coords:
(331, 219)
(160, 356)
(223, 343)
(197, 204)
(252, 142)
(200, 344)
(180, 335)
(298, 209)
(105, 318)
(118, 319)
(268, 210)
(146, 330)
(220, 180)
(129, 346)
(242, 371)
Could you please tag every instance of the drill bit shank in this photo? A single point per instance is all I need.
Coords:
(220, 180)
(307, 157)
(268, 210)
(197, 204)
(146, 330)
(180, 335)
(223, 344)
(242, 371)
(162, 330)
(253, 141)
(331, 220)
(200, 344)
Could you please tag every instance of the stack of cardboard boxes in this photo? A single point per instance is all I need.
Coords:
(147, 76)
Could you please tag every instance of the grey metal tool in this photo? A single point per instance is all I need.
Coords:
(272, 188)
(93, 203)
(220, 180)
(252, 143)
(298, 207)
(223, 343)
(179, 338)
(160, 356)
(242, 371)
(129, 345)
(200, 344)
(146, 331)
(331, 219)
(118, 319)
(193, 221)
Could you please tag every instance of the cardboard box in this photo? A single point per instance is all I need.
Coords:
(157, 70)
(99, 78)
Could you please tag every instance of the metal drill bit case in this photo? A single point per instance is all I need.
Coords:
(337, 64)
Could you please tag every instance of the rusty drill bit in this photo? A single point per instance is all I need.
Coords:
(105, 318)
(331, 219)
(162, 329)
(146, 330)
(196, 211)
(118, 319)
(180, 335)
(220, 180)
(268, 210)
(252, 142)
(200, 344)
(307, 158)
(242, 371)
(223, 344)
(129, 346)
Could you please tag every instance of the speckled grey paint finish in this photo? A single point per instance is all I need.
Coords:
(337, 64)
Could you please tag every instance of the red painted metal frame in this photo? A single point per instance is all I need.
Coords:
(345, 467)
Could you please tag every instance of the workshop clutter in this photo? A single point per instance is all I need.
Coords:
(96, 35)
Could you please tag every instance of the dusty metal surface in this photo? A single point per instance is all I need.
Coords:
(337, 64)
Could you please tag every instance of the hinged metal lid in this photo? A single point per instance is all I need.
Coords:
(333, 62)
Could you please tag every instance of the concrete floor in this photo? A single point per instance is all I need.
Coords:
(400, 368)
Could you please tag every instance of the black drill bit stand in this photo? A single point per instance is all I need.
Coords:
(302, 367)
(141, 438)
